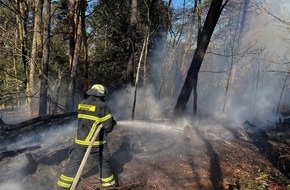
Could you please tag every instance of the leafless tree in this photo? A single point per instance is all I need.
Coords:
(45, 58)
(190, 83)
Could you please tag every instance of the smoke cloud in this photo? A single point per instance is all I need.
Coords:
(10, 186)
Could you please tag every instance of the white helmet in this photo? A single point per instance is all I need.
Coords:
(98, 90)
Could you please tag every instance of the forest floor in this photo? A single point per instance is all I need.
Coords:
(208, 154)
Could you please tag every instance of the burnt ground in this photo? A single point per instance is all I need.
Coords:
(208, 154)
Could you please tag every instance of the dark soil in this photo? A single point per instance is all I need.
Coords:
(207, 154)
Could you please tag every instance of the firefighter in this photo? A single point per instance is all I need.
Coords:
(91, 113)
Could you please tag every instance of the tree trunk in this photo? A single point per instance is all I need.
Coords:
(15, 53)
(244, 18)
(199, 14)
(22, 27)
(137, 77)
(256, 86)
(147, 40)
(169, 16)
(281, 95)
(71, 22)
(132, 42)
(85, 41)
(145, 57)
(7, 128)
(230, 82)
(187, 47)
(45, 59)
(35, 49)
(57, 93)
(70, 101)
(235, 40)
(202, 44)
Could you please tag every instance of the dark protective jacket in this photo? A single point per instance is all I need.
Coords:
(91, 113)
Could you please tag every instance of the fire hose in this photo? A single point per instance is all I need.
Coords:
(85, 158)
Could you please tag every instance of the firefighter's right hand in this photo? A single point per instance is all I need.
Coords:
(114, 122)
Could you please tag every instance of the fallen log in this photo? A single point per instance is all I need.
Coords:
(6, 128)
(11, 153)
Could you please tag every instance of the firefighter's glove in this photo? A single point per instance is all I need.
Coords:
(110, 129)
(114, 122)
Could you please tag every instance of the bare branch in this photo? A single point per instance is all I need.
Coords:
(212, 71)
(275, 71)
(276, 17)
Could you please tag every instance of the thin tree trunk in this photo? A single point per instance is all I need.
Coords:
(244, 18)
(71, 22)
(70, 101)
(72, 28)
(147, 38)
(235, 42)
(22, 27)
(199, 14)
(137, 78)
(145, 57)
(57, 93)
(231, 48)
(230, 81)
(189, 41)
(45, 59)
(14, 64)
(202, 44)
(85, 41)
(281, 95)
(132, 42)
(36, 47)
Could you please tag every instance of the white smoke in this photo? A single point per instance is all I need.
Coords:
(18, 168)
(11, 186)
(147, 106)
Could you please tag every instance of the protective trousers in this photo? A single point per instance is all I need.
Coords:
(101, 153)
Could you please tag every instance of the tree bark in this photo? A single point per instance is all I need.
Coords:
(45, 59)
(281, 95)
(202, 44)
(235, 40)
(70, 101)
(35, 49)
(85, 52)
(132, 42)
(22, 27)
(6, 128)
(55, 109)
(71, 25)
(137, 77)
(147, 39)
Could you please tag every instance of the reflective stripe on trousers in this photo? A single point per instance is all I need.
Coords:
(108, 181)
(102, 154)
(65, 181)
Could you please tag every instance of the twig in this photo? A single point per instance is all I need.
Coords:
(284, 156)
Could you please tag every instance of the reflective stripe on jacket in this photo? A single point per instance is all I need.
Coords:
(92, 112)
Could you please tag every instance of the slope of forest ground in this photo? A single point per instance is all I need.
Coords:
(208, 154)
